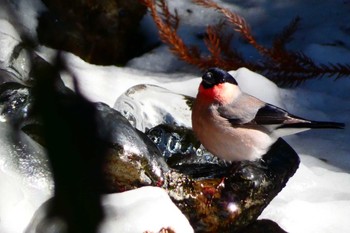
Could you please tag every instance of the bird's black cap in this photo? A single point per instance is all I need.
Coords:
(214, 76)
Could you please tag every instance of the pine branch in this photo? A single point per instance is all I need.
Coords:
(213, 44)
(278, 64)
(219, 45)
(239, 23)
(167, 25)
(286, 36)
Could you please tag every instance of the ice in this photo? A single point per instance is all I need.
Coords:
(14, 59)
(146, 106)
(9, 38)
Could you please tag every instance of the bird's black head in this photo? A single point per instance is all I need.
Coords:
(214, 76)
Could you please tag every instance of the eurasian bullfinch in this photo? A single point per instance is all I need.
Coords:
(235, 126)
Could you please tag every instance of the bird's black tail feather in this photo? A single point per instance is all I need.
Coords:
(315, 125)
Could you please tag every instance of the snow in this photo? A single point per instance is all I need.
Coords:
(317, 198)
(152, 206)
(144, 209)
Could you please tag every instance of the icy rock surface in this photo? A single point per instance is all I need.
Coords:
(13, 57)
(179, 146)
(148, 105)
(131, 152)
(25, 176)
(207, 189)
(133, 160)
(15, 102)
(20, 152)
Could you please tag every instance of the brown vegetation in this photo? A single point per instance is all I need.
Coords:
(282, 66)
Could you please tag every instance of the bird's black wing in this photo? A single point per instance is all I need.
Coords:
(266, 115)
(272, 115)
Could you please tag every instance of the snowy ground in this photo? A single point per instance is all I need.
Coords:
(317, 198)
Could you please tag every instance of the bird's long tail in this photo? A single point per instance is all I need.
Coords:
(314, 125)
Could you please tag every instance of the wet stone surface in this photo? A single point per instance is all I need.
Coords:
(133, 160)
(218, 196)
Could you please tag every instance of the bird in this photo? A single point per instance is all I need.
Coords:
(236, 126)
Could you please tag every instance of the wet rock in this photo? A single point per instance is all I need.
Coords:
(15, 102)
(14, 58)
(218, 196)
(19, 153)
(16, 97)
(100, 32)
(133, 160)
(263, 226)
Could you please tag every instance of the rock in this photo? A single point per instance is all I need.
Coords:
(133, 160)
(263, 226)
(15, 102)
(14, 58)
(222, 197)
(216, 196)
(100, 32)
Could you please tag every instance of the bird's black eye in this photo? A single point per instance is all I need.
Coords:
(215, 76)
(208, 80)
(209, 75)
